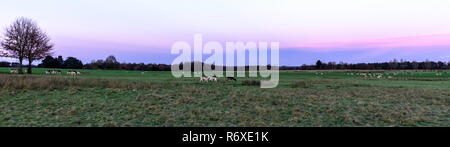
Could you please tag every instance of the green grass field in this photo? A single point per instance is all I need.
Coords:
(314, 98)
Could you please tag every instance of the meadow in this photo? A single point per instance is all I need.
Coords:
(154, 98)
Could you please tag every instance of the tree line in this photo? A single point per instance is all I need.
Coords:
(111, 63)
(391, 65)
(50, 62)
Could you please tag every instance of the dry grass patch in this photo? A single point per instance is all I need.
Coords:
(33, 82)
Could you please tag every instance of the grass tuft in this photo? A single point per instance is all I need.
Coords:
(251, 83)
(302, 84)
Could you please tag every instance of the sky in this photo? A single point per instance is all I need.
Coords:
(330, 30)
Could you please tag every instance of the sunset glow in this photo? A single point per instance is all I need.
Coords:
(144, 30)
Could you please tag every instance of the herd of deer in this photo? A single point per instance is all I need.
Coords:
(50, 72)
(16, 71)
(70, 72)
(13, 71)
(73, 73)
(205, 79)
(53, 72)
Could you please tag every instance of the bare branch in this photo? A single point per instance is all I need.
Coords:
(25, 40)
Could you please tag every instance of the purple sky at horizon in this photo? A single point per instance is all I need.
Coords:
(144, 30)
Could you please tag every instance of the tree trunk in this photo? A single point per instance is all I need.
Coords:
(29, 66)
(20, 66)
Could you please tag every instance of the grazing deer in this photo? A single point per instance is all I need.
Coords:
(212, 78)
(13, 71)
(71, 73)
(204, 79)
(53, 72)
(56, 72)
(231, 79)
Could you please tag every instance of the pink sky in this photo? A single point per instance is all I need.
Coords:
(425, 41)
(91, 28)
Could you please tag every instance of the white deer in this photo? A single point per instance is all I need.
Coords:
(13, 71)
(212, 78)
(204, 79)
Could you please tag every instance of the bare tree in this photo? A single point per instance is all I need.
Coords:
(39, 49)
(24, 40)
(111, 62)
(428, 65)
(393, 64)
(15, 40)
(415, 65)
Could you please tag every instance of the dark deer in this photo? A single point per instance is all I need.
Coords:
(231, 79)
